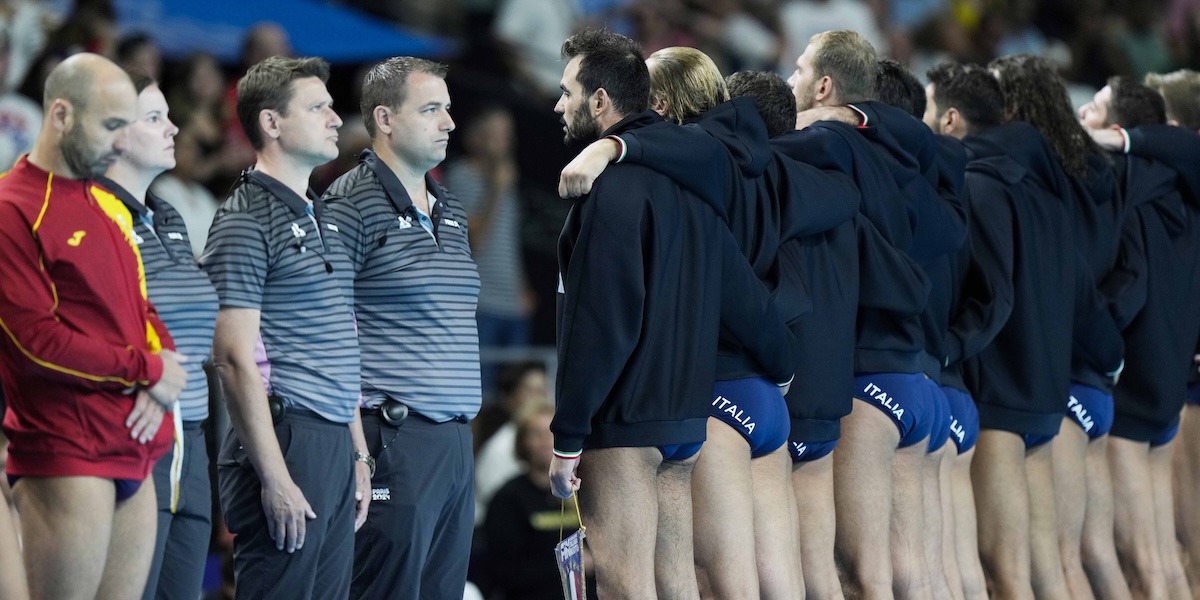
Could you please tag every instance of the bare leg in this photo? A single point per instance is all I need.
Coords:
(12, 572)
(910, 570)
(934, 525)
(131, 546)
(966, 533)
(66, 526)
(1133, 524)
(949, 550)
(1164, 517)
(1048, 579)
(1187, 492)
(619, 501)
(1099, 549)
(723, 506)
(862, 479)
(812, 483)
(1002, 508)
(1070, 497)
(779, 575)
(674, 562)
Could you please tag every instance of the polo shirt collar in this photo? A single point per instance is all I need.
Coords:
(137, 208)
(283, 192)
(393, 188)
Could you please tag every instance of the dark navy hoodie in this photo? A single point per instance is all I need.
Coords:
(1162, 233)
(854, 272)
(650, 274)
(1020, 202)
(767, 199)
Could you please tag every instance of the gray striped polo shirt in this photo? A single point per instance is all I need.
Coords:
(180, 292)
(265, 252)
(414, 295)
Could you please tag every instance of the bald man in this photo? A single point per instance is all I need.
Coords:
(89, 371)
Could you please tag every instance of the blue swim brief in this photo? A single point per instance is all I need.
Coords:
(904, 397)
(754, 408)
(964, 418)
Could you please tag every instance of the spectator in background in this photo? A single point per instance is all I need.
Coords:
(25, 21)
(802, 19)
(486, 181)
(522, 387)
(262, 41)
(526, 519)
(138, 52)
(532, 32)
(20, 117)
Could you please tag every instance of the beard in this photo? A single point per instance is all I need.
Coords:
(582, 129)
(806, 98)
(78, 155)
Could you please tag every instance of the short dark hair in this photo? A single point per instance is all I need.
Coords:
(897, 86)
(386, 84)
(510, 377)
(524, 421)
(849, 59)
(141, 80)
(1134, 104)
(613, 62)
(970, 90)
(772, 97)
(268, 86)
(130, 44)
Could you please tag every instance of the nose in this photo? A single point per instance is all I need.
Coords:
(449, 124)
(561, 106)
(172, 129)
(334, 121)
(121, 141)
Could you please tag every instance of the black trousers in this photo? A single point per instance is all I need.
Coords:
(320, 458)
(416, 542)
(181, 548)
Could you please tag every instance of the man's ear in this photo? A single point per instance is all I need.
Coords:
(951, 121)
(824, 89)
(600, 102)
(383, 119)
(660, 105)
(62, 115)
(268, 122)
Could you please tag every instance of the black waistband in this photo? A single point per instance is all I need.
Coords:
(193, 425)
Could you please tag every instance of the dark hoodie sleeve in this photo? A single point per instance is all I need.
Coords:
(602, 307)
(888, 279)
(1097, 340)
(926, 174)
(1125, 287)
(812, 200)
(688, 155)
(987, 295)
(750, 315)
(1177, 147)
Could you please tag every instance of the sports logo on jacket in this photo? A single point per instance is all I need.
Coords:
(76, 239)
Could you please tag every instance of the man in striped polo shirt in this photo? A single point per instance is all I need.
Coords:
(287, 473)
(415, 293)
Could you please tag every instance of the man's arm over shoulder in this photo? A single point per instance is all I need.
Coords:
(750, 314)
(688, 155)
(813, 200)
(28, 305)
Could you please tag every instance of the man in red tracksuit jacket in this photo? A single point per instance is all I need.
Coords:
(89, 370)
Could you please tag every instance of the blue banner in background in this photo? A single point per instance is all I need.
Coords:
(336, 33)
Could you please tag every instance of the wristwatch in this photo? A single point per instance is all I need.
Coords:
(363, 457)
